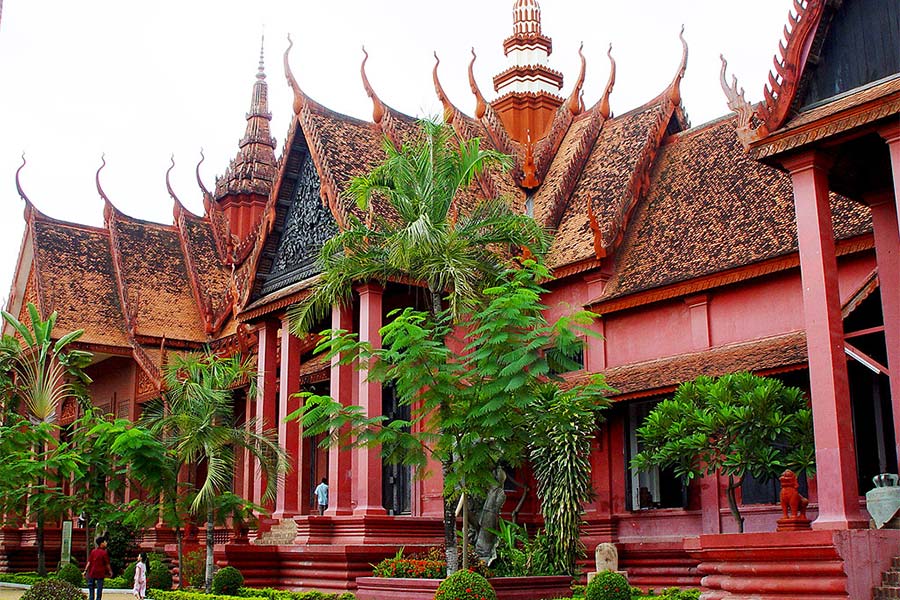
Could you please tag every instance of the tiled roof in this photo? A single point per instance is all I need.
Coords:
(78, 281)
(710, 208)
(608, 182)
(664, 374)
(203, 260)
(155, 279)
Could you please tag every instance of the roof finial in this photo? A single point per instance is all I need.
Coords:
(169, 183)
(604, 101)
(299, 96)
(449, 109)
(19, 189)
(675, 87)
(378, 105)
(480, 104)
(574, 103)
(736, 100)
(261, 70)
(97, 180)
(197, 172)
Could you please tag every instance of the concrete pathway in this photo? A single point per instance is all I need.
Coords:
(13, 591)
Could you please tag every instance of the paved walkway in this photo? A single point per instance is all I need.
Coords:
(10, 591)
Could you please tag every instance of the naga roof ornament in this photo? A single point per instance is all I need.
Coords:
(19, 189)
(575, 102)
(757, 122)
(109, 210)
(675, 86)
(449, 109)
(604, 108)
(300, 99)
(169, 185)
(378, 109)
(480, 104)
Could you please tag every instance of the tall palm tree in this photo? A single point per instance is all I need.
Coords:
(45, 373)
(420, 233)
(195, 417)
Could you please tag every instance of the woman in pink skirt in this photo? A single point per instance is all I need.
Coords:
(140, 577)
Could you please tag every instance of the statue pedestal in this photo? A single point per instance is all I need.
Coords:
(793, 524)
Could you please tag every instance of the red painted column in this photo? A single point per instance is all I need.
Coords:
(832, 422)
(891, 135)
(710, 503)
(340, 471)
(266, 396)
(368, 475)
(247, 466)
(887, 251)
(287, 500)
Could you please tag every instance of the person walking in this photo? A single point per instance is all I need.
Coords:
(321, 492)
(97, 569)
(140, 576)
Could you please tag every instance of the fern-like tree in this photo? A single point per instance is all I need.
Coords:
(415, 229)
(486, 407)
(195, 418)
(730, 425)
(45, 373)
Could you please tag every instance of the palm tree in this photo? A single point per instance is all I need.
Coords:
(45, 373)
(196, 419)
(423, 237)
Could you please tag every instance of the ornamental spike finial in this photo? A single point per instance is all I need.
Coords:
(604, 101)
(169, 183)
(261, 69)
(377, 104)
(574, 102)
(197, 173)
(449, 109)
(97, 180)
(480, 104)
(299, 96)
(675, 87)
(736, 100)
(19, 189)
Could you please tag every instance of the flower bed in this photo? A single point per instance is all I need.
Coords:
(507, 588)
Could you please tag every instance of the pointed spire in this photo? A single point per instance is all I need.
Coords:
(253, 170)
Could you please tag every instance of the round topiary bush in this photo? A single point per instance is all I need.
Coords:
(608, 585)
(228, 581)
(53, 589)
(465, 585)
(71, 573)
(158, 575)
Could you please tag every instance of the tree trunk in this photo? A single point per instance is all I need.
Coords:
(39, 538)
(732, 502)
(450, 547)
(210, 534)
(465, 532)
(179, 544)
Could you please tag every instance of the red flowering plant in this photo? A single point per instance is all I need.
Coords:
(410, 567)
(465, 585)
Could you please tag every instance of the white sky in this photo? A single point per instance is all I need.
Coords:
(142, 80)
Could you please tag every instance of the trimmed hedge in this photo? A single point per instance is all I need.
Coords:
(179, 595)
(26, 578)
(608, 585)
(228, 581)
(53, 589)
(465, 585)
(249, 594)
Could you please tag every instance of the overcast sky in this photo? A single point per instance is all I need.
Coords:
(143, 80)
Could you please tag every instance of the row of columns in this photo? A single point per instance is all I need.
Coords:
(839, 506)
(354, 476)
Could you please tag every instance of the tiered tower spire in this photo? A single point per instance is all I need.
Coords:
(243, 190)
(529, 88)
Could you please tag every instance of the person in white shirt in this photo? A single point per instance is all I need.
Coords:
(322, 495)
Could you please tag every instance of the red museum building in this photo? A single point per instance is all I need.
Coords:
(766, 240)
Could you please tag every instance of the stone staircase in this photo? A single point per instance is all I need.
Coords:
(281, 533)
(890, 582)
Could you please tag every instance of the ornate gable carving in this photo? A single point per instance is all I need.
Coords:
(308, 225)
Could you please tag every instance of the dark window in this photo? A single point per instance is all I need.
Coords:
(656, 488)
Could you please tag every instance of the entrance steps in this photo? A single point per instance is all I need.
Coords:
(890, 582)
(281, 533)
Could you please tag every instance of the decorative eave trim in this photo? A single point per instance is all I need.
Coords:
(146, 365)
(251, 315)
(533, 40)
(575, 268)
(707, 282)
(104, 348)
(528, 72)
(858, 116)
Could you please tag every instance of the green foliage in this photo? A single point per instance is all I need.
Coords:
(608, 585)
(410, 568)
(674, 593)
(121, 546)
(227, 580)
(519, 556)
(159, 576)
(71, 573)
(194, 565)
(53, 589)
(734, 424)
(465, 585)
(273, 594)
(181, 595)
(25, 578)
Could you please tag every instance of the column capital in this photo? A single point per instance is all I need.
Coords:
(890, 133)
(811, 159)
(370, 288)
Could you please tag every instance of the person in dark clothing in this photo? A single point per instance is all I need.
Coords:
(97, 569)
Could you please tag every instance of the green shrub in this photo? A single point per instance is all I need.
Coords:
(121, 545)
(158, 575)
(674, 593)
(25, 578)
(118, 583)
(71, 573)
(227, 580)
(128, 573)
(53, 589)
(410, 568)
(192, 595)
(465, 585)
(194, 564)
(608, 585)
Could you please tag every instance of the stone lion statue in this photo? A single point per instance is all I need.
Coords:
(793, 505)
